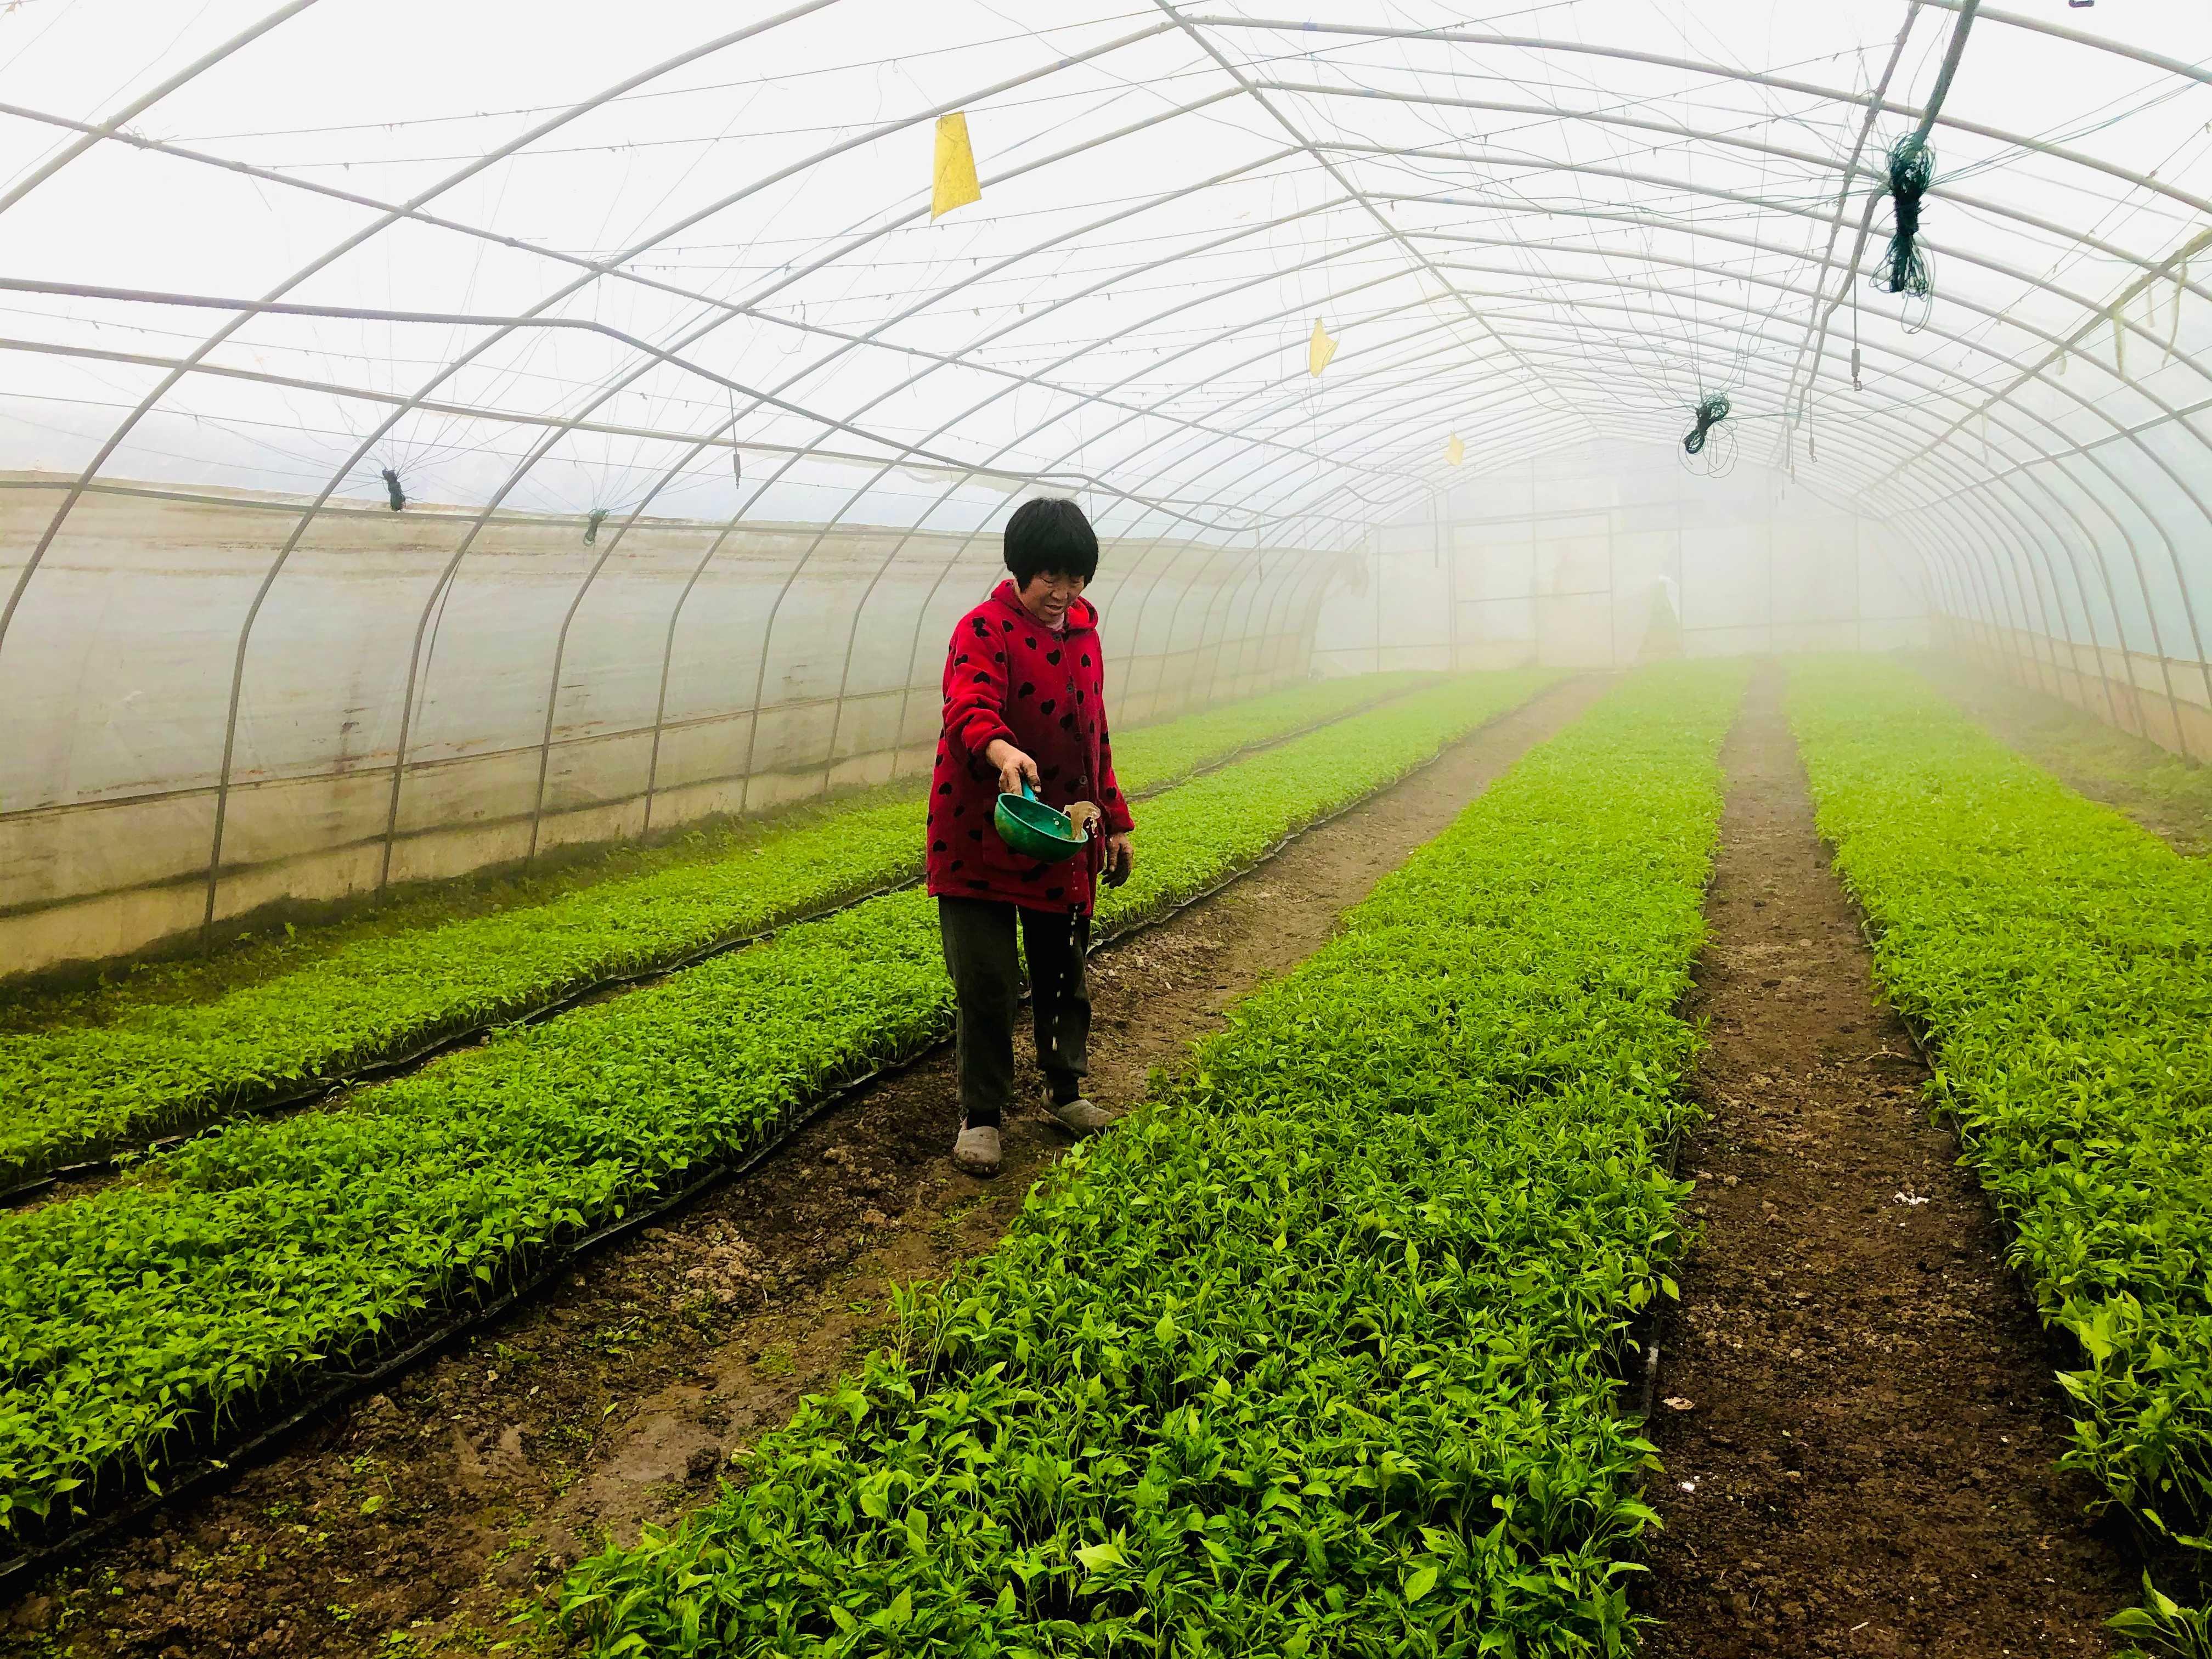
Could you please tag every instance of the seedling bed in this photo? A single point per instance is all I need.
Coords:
(254, 1441)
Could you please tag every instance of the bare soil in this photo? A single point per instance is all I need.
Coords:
(426, 1518)
(1857, 1414)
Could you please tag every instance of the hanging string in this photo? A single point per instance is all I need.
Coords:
(1856, 385)
(737, 456)
(1707, 414)
(391, 487)
(2173, 323)
(592, 521)
(1904, 269)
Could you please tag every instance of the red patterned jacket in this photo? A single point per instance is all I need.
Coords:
(1006, 675)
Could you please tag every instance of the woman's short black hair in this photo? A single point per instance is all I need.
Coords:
(1050, 537)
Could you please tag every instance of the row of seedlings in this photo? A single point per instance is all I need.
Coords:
(154, 1065)
(1316, 1354)
(2058, 961)
(191, 1296)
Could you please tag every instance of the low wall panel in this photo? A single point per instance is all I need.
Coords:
(2166, 700)
(117, 684)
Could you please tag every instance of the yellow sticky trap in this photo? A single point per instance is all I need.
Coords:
(1455, 452)
(1319, 349)
(953, 180)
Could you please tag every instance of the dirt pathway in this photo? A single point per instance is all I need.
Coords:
(1860, 1418)
(423, 1520)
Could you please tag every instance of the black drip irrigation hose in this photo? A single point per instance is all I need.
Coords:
(1904, 269)
(341, 1387)
(1709, 413)
(383, 1070)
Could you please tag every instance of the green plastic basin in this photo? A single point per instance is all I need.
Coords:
(1042, 832)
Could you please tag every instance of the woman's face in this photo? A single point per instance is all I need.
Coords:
(1048, 595)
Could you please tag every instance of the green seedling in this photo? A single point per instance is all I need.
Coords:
(1315, 1354)
(131, 1339)
(2059, 961)
(157, 1067)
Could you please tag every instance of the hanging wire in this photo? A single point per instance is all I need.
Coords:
(736, 455)
(1905, 268)
(1709, 414)
(1709, 446)
(1857, 384)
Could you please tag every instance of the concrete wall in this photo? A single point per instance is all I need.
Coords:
(798, 662)
(1568, 559)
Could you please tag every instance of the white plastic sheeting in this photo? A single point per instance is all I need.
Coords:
(530, 720)
(1605, 555)
(668, 273)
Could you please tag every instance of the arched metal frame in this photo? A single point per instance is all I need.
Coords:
(2003, 547)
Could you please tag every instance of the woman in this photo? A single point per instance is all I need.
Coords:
(1024, 701)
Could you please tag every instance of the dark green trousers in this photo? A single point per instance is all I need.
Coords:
(987, 982)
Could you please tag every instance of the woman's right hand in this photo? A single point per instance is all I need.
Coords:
(1014, 766)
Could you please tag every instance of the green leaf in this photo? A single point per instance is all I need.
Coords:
(1097, 1558)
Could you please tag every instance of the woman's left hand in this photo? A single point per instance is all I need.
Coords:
(1121, 859)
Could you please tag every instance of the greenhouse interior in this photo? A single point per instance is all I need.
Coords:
(959, 829)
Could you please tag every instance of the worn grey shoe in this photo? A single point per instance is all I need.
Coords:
(976, 1152)
(1079, 1116)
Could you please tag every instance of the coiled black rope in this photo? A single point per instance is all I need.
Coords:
(1904, 268)
(597, 517)
(1708, 415)
(391, 487)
